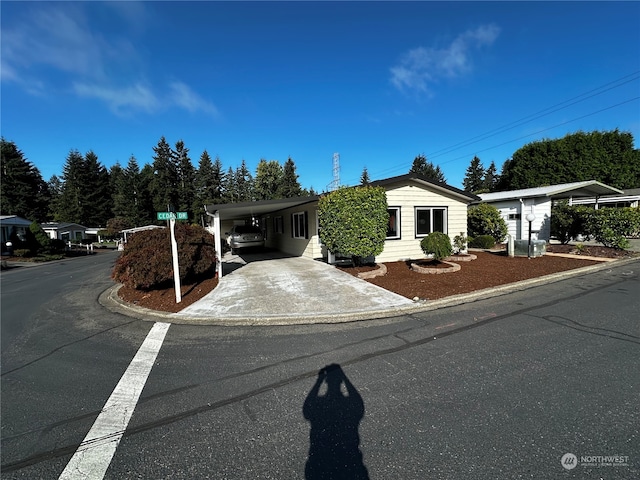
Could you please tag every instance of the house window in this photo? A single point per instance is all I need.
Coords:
(430, 219)
(278, 225)
(299, 225)
(393, 228)
(514, 216)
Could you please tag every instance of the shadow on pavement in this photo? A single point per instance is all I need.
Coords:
(232, 262)
(334, 440)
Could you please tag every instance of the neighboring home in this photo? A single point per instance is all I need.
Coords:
(629, 198)
(12, 225)
(64, 231)
(515, 205)
(131, 231)
(417, 206)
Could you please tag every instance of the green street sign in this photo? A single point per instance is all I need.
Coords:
(172, 215)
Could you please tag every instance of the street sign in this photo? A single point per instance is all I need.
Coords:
(172, 215)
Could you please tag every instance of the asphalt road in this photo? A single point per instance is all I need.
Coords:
(499, 388)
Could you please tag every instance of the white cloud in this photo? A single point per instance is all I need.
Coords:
(56, 48)
(121, 100)
(182, 96)
(142, 98)
(421, 67)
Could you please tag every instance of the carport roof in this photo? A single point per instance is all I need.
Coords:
(589, 188)
(236, 211)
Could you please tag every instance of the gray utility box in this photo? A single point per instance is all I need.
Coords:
(538, 248)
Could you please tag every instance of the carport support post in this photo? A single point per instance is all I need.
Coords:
(174, 254)
(217, 242)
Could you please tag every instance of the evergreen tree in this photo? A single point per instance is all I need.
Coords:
(290, 185)
(473, 181)
(608, 157)
(243, 183)
(186, 180)
(269, 180)
(119, 191)
(23, 192)
(69, 205)
(209, 179)
(364, 177)
(491, 178)
(97, 201)
(230, 189)
(164, 187)
(423, 167)
(146, 211)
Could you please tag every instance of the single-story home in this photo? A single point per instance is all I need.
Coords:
(515, 205)
(64, 231)
(12, 225)
(417, 206)
(131, 231)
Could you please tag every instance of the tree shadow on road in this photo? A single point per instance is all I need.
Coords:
(334, 440)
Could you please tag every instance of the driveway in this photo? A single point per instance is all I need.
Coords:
(266, 287)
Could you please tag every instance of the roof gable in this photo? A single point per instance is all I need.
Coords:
(589, 188)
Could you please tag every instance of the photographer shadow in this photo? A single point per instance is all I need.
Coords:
(334, 441)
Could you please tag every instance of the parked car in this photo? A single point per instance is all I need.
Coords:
(245, 236)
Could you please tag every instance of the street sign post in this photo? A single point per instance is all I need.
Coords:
(172, 217)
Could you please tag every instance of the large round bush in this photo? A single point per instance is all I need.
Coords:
(146, 261)
(485, 219)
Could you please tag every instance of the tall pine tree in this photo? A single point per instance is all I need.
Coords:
(423, 167)
(473, 181)
(164, 187)
(290, 185)
(23, 192)
(268, 180)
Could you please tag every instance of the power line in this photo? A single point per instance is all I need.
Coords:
(549, 110)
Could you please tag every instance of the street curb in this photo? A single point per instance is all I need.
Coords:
(110, 300)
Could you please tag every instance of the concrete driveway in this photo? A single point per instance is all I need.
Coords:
(264, 287)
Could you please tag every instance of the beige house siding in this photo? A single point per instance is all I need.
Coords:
(303, 247)
(408, 196)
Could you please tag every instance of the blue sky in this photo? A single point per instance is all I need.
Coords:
(376, 82)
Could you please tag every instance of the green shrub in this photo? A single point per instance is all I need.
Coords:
(612, 226)
(460, 242)
(568, 221)
(437, 244)
(146, 261)
(41, 243)
(485, 219)
(482, 241)
(22, 253)
(354, 221)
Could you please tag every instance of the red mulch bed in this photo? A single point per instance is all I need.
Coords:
(164, 300)
(488, 270)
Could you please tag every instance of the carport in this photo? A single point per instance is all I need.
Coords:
(217, 214)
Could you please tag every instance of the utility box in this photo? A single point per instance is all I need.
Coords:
(538, 248)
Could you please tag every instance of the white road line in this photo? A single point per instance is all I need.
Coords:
(94, 454)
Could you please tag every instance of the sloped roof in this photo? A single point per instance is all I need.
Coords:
(236, 211)
(14, 220)
(422, 180)
(60, 225)
(589, 188)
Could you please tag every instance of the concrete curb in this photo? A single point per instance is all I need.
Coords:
(110, 300)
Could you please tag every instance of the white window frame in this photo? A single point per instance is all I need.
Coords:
(445, 220)
(398, 235)
(301, 234)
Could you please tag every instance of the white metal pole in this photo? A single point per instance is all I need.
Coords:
(174, 253)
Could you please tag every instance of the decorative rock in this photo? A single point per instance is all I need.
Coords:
(461, 258)
(381, 271)
(435, 271)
